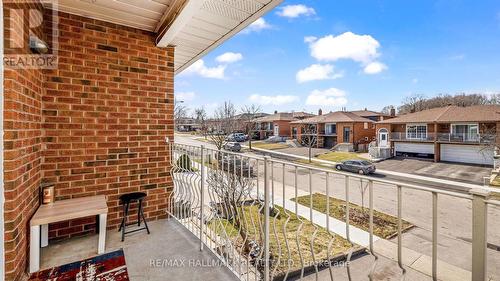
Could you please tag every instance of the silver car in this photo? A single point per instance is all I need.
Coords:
(232, 146)
(362, 167)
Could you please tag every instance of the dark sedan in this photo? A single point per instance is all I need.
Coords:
(362, 167)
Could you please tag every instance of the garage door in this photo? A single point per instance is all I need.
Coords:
(474, 154)
(419, 148)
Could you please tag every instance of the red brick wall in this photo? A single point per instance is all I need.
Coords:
(22, 154)
(96, 125)
(106, 112)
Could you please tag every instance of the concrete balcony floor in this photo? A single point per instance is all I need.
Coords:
(168, 241)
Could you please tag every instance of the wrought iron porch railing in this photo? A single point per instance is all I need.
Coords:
(268, 219)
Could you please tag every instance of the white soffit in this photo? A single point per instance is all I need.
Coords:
(202, 25)
(141, 14)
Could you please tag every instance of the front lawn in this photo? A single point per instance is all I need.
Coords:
(338, 156)
(270, 146)
(280, 228)
(384, 225)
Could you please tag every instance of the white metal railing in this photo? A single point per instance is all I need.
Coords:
(412, 136)
(244, 208)
(466, 138)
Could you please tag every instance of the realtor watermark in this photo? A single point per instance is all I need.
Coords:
(164, 263)
(185, 263)
(31, 34)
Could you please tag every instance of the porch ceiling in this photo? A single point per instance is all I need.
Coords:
(141, 14)
(194, 27)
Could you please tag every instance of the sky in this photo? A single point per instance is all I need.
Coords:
(305, 55)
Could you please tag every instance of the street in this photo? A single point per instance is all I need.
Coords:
(454, 214)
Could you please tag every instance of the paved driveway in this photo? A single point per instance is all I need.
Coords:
(450, 171)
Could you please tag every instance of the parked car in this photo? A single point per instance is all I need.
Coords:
(237, 165)
(239, 137)
(232, 146)
(362, 167)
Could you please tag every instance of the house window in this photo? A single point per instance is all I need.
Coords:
(330, 129)
(416, 131)
(365, 125)
(465, 131)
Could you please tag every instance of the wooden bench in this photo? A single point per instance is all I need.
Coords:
(61, 211)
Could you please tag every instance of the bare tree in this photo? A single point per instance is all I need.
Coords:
(309, 137)
(418, 102)
(231, 190)
(249, 112)
(224, 123)
(201, 118)
(412, 103)
(180, 112)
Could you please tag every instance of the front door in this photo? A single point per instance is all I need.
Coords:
(276, 130)
(382, 138)
(347, 134)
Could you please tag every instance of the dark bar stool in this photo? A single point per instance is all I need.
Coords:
(126, 199)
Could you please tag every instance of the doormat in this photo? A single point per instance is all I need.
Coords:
(108, 267)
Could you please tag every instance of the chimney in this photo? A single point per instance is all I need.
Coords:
(393, 112)
(366, 109)
(320, 112)
(275, 112)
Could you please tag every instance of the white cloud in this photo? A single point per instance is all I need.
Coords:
(360, 48)
(229, 57)
(317, 72)
(199, 68)
(374, 67)
(258, 25)
(328, 97)
(310, 39)
(272, 100)
(185, 96)
(294, 11)
(414, 80)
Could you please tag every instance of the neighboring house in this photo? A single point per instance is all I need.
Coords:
(451, 133)
(336, 127)
(277, 124)
(243, 122)
(187, 125)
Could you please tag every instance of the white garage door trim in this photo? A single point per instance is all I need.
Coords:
(424, 148)
(471, 154)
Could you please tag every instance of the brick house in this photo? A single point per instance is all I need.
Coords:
(96, 123)
(336, 127)
(451, 133)
(277, 124)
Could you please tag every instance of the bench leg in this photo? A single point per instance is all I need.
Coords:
(102, 233)
(45, 235)
(34, 248)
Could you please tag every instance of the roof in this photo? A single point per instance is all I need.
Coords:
(452, 113)
(368, 113)
(283, 116)
(249, 115)
(194, 27)
(334, 117)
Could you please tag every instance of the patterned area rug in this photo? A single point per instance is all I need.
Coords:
(108, 267)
